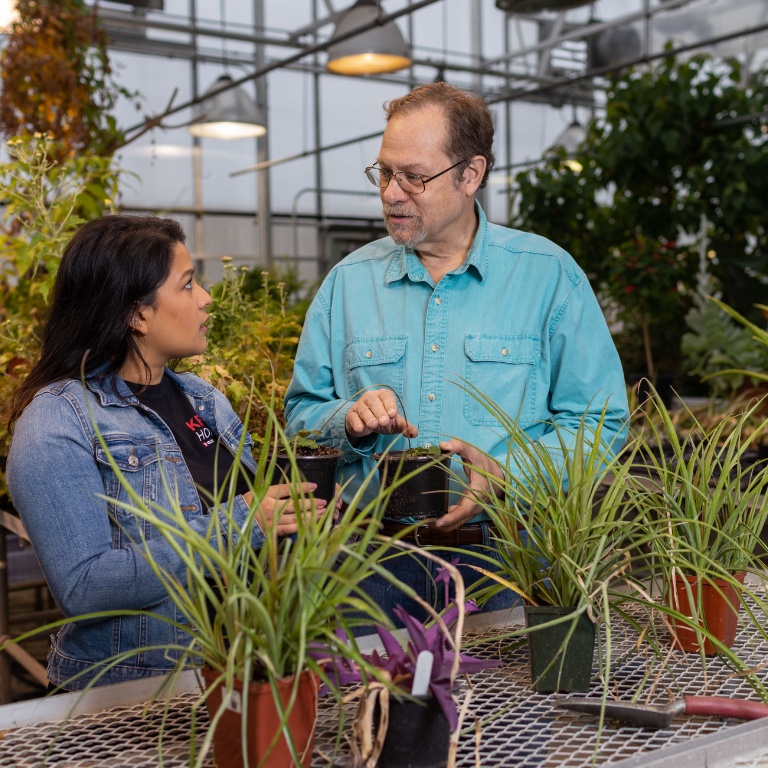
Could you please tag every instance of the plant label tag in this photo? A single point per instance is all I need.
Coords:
(235, 702)
(422, 674)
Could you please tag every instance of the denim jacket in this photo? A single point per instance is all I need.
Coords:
(90, 548)
(518, 320)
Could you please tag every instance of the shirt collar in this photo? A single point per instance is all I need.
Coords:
(406, 263)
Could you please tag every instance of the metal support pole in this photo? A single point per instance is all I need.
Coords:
(262, 146)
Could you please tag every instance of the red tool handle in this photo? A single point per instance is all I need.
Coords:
(720, 706)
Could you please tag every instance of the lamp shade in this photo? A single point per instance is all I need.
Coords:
(571, 137)
(380, 49)
(231, 114)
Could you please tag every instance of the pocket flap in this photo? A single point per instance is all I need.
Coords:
(375, 351)
(129, 455)
(519, 348)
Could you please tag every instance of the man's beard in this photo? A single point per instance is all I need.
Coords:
(410, 234)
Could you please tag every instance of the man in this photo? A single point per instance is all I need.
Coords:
(447, 299)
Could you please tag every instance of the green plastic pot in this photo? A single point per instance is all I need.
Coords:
(559, 662)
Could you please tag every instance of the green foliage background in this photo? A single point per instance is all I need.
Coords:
(675, 145)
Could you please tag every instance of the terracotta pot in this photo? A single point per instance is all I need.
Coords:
(555, 665)
(317, 468)
(423, 495)
(263, 722)
(718, 611)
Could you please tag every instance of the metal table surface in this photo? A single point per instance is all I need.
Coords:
(113, 726)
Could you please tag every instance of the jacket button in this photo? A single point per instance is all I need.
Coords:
(505, 351)
(369, 353)
(133, 461)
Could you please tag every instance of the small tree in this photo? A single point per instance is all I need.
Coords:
(57, 79)
(675, 144)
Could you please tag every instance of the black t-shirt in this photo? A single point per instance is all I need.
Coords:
(208, 461)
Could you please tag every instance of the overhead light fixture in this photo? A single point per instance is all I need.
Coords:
(570, 140)
(378, 50)
(231, 114)
(571, 137)
(8, 14)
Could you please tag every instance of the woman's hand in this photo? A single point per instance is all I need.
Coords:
(277, 507)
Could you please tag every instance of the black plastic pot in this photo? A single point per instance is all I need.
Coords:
(418, 735)
(560, 663)
(317, 468)
(663, 382)
(422, 489)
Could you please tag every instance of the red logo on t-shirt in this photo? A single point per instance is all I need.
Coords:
(197, 425)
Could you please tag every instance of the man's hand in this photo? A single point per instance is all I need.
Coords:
(376, 411)
(479, 485)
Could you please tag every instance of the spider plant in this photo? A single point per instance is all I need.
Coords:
(252, 614)
(704, 503)
(563, 540)
(559, 512)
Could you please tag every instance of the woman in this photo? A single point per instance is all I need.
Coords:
(125, 304)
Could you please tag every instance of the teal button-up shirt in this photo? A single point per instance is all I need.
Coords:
(518, 319)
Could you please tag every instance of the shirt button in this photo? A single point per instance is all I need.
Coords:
(369, 353)
(434, 347)
(200, 407)
(505, 351)
(430, 397)
(438, 300)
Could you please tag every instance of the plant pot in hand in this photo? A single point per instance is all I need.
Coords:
(417, 734)
(716, 604)
(317, 466)
(561, 655)
(418, 482)
(267, 746)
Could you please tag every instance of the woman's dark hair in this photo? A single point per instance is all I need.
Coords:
(470, 123)
(111, 266)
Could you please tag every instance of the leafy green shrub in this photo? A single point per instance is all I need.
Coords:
(45, 200)
(720, 350)
(252, 340)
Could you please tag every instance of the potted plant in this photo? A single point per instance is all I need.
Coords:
(252, 616)
(313, 463)
(563, 544)
(419, 478)
(704, 502)
(407, 715)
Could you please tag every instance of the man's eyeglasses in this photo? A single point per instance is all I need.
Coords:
(411, 183)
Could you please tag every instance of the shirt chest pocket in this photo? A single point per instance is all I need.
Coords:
(137, 461)
(503, 368)
(375, 361)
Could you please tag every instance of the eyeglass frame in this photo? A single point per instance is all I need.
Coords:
(394, 176)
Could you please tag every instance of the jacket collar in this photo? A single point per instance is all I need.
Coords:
(112, 389)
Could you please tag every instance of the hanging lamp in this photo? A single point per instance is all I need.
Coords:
(9, 13)
(570, 139)
(378, 50)
(231, 114)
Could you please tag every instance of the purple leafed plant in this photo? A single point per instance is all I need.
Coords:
(398, 661)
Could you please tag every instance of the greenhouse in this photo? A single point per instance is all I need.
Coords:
(383, 383)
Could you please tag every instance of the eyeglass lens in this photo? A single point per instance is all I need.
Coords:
(408, 182)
